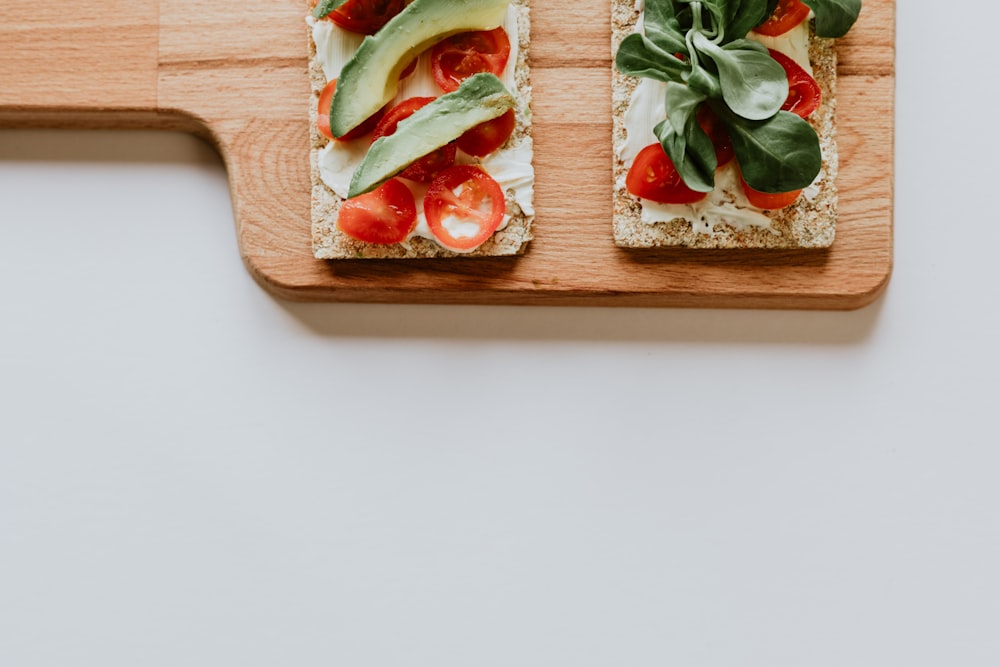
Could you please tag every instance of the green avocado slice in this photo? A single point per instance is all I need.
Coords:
(371, 77)
(480, 98)
(324, 7)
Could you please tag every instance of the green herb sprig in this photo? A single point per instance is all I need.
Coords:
(699, 48)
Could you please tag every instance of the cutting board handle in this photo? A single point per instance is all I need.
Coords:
(91, 66)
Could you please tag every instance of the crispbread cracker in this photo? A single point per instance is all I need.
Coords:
(330, 243)
(808, 223)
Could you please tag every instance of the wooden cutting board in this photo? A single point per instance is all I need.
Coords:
(236, 75)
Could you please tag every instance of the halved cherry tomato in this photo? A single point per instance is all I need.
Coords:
(464, 206)
(408, 70)
(654, 177)
(716, 131)
(486, 137)
(787, 15)
(365, 16)
(458, 57)
(425, 168)
(803, 92)
(769, 201)
(323, 116)
(387, 214)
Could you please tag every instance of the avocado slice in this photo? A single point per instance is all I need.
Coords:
(480, 98)
(371, 77)
(324, 7)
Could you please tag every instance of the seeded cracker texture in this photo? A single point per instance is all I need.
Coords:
(808, 223)
(330, 243)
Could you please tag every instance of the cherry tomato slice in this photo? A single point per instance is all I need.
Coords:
(716, 131)
(803, 92)
(767, 200)
(365, 16)
(385, 215)
(654, 177)
(464, 206)
(458, 57)
(323, 116)
(428, 166)
(787, 15)
(408, 70)
(486, 137)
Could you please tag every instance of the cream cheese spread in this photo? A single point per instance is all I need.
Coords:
(510, 166)
(727, 204)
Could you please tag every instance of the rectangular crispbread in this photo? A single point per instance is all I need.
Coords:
(808, 223)
(330, 243)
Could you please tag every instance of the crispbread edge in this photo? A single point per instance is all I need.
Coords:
(330, 243)
(808, 223)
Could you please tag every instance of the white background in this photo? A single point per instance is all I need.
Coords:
(194, 473)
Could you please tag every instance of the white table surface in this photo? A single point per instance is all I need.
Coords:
(194, 473)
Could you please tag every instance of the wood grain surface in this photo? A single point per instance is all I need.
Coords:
(239, 80)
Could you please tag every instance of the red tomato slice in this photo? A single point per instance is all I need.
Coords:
(654, 177)
(787, 15)
(425, 168)
(486, 137)
(385, 215)
(767, 200)
(803, 92)
(408, 70)
(458, 57)
(716, 131)
(365, 16)
(464, 206)
(323, 116)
